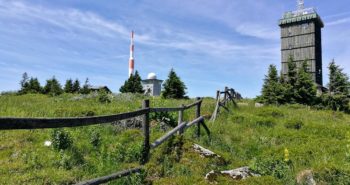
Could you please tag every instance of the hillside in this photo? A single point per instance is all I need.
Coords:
(276, 142)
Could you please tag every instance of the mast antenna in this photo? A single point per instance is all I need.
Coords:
(300, 5)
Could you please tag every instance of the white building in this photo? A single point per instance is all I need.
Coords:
(152, 86)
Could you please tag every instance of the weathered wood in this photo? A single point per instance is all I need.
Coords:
(198, 114)
(159, 109)
(188, 125)
(216, 110)
(225, 95)
(180, 118)
(199, 101)
(114, 176)
(176, 109)
(146, 134)
(206, 128)
(167, 135)
(40, 123)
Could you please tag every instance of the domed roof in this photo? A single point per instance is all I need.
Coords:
(152, 76)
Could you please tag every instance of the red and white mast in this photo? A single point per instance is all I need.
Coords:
(131, 59)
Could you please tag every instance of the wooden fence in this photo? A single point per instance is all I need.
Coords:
(42, 123)
(230, 95)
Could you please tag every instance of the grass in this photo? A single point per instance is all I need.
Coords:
(247, 136)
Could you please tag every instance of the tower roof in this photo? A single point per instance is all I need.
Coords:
(296, 17)
(302, 14)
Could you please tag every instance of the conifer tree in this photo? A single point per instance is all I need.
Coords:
(173, 86)
(76, 86)
(53, 87)
(68, 87)
(338, 97)
(304, 86)
(132, 85)
(86, 87)
(34, 86)
(272, 92)
(290, 89)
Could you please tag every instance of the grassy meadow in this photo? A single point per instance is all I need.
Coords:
(276, 142)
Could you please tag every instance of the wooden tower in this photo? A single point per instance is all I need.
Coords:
(301, 39)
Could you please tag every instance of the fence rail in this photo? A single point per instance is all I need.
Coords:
(43, 123)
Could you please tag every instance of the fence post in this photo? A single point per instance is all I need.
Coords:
(217, 95)
(198, 114)
(225, 95)
(145, 127)
(181, 117)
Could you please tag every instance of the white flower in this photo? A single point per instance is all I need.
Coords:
(47, 143)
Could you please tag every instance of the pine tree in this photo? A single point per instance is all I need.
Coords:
(338, 97)
(290, 89)
(34, 86)
(304, 86)
(137, 85)
(272, 92)
(68, 87)
(127, 87)
(86, 87)
(173, 86)
(132, 85)
(24, 84)
(53, 87)
(76, 86)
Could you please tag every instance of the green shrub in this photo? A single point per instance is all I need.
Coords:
(278, 168)
(272, 112)
(95, 139)
(294, 124)
(103, 97)
(70, 159)
(265, 122)
(165, 117)
(332, 176)
(61, 139)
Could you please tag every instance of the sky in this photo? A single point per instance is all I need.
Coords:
(210, 44)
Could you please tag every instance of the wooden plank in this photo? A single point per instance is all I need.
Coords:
(198, 114)
(114, 176)
(175, 109)
(194, 121)
(167, 135)
(146, 134)
(40, 123)
(199, 101)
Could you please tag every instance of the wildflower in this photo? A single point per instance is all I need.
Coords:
(286, 155)
(47, 143)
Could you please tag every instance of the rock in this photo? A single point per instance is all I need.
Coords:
(236, 174)
(306, 177)
(211, 176)
(135, 122)
(240, 173)
(204, 152)
(259, 105)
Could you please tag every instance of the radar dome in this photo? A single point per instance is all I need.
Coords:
(152, 76)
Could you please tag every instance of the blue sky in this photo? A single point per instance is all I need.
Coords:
(210, 44)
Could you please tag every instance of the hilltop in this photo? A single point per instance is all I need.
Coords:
(276, 142)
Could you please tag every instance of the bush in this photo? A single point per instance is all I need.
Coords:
(332, 176)
(71, 158)
(273, 112)
(294, 124)
(278, 168)
(266, 122)
(164, 117)
(95, 139)
(103, 97)
(61, 139)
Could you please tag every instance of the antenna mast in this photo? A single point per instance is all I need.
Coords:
(300, 5)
